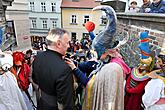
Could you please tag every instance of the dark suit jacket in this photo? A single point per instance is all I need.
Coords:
(55, 80)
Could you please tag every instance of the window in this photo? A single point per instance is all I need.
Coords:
(44, 24)
(53, 7)
(54, 23)
(9, 36)
(85, 36)
(34, 23)
(86, 18)
(43, 7)
(32, 6)
(73, 19)
(73, 34)
(103, 20)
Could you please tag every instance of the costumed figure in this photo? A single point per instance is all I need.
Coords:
(21, 70)
(104, 88)
(154, 96)
(11, 97)
(138, 78)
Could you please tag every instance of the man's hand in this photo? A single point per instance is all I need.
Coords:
(70, 63)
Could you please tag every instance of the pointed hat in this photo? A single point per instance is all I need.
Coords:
(104, 40)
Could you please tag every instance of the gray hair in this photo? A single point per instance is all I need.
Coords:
(54, 35)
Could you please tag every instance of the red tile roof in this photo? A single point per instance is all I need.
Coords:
(79, 3)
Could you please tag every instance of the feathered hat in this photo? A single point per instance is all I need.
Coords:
(146, 59)
(144, 48)
(104, 40)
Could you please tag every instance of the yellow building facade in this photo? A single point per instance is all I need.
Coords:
(73, 20)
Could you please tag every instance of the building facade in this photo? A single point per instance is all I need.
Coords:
(44, 15)
(75, 13)
(18, 25)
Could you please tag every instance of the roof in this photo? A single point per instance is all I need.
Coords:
(80, 3)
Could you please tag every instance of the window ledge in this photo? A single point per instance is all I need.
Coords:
(73, 24)
(102, 24)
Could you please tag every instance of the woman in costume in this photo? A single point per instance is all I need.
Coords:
(11, 97)
(138, 78)
(154, 96)
(105, 85)
(21, 70)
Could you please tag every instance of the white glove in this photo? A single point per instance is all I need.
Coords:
(147, 10)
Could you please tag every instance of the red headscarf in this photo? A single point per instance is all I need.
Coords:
(18, 58)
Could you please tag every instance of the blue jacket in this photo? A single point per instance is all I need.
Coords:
(85, 67)
(158, 7)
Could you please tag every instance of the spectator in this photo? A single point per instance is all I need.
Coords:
(146, 6)
(52, 74)
(28, 57)
(133, 7)
(138, 78)
(157, 6)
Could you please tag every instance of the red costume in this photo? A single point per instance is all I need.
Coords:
(138, 78)
(134, 92)
(21, 70)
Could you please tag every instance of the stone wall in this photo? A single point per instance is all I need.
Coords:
(130, 25)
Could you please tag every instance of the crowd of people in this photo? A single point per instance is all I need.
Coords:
(156, 6)
(70, 75)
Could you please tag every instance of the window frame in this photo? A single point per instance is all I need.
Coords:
(73, 36)
(33, 23)
(32, 8)
(103, 20)
(53, 5)
(73, 19)
(54, 23)
(86, 19)
(43, 6)
(44, 24)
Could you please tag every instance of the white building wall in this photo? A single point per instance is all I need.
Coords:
(48, 15)
(18, 12)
